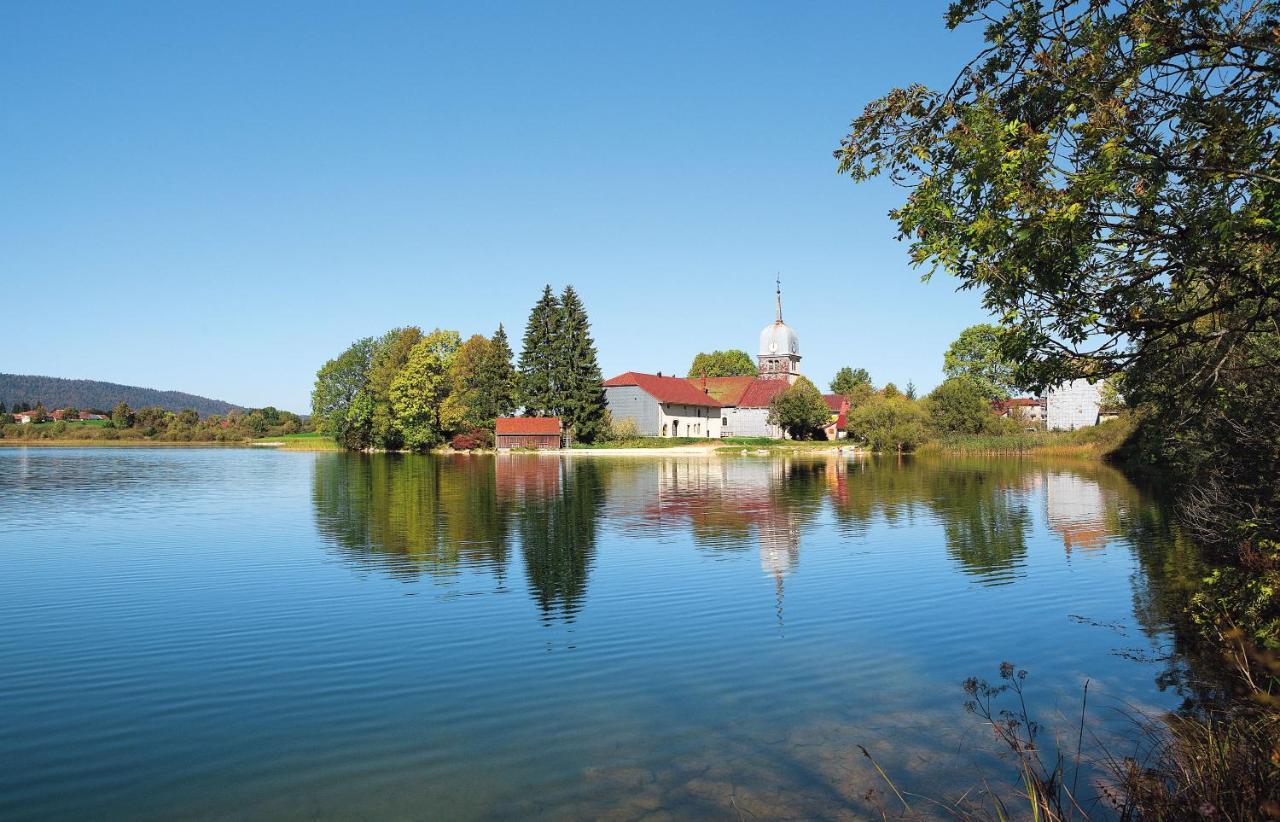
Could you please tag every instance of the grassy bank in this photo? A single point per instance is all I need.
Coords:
(1095, 441)
(309, 441)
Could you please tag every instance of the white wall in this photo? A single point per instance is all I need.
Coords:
(1073, 405)
(695, 421)
(750, 422)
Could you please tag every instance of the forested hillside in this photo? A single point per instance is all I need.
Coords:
(55, 392)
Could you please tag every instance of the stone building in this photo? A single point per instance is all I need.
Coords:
(662, 406)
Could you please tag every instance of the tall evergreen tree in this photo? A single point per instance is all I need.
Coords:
(538, 358)
(579, 392)
(500, 375)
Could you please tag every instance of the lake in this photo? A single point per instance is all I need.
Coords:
(251, 633)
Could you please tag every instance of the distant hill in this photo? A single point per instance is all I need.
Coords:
(55, 392)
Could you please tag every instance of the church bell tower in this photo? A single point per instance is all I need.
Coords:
(779, 357)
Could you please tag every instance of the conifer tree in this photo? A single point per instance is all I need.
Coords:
(501, 375)
(579, 393)
(538, 358)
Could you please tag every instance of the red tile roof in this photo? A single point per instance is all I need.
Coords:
(527, 425)
(761, 392)
(664, 389)
(725, 390)
(835, 402)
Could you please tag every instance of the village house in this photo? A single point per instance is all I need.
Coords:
(1026, 409)
(663, 406)
(528, 432)
(838, 405)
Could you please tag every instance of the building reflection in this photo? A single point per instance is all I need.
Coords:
(459, 519)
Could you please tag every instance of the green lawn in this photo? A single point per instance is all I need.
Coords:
(309, 441)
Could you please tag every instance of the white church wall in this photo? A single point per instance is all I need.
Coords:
(688, 421)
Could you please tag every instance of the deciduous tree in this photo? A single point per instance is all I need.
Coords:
(732, 363)
(420, 388)
(848, 379)
(977, 356)
(800, 410)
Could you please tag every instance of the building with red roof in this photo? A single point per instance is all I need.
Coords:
(663, 406)
(528, 432)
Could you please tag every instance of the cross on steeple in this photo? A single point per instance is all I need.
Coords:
(779, 297)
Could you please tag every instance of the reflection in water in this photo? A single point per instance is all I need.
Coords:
(413, 515)
(558, 504)
(438, 515)
(185, 637)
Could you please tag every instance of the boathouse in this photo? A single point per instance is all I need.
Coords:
(528, 432)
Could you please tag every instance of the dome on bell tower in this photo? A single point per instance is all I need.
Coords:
(779, 356)
(779, 340)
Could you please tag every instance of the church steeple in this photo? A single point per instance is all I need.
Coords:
(779, 348)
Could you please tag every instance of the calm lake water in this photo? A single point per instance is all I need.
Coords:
(246, 633)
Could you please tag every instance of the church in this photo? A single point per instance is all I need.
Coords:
(712, 407)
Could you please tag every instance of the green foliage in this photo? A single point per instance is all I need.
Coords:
(538, 357)
(578, 390)
(800, 410)
(859, 393)
(122, 415)
(889, 424)
(960, 406)
(976, 355)
(890, 391)
(732, 363)
(470, 403)
(501, 379)
(1106, 176)
(848, 379)
(419, 389)
(337, 383)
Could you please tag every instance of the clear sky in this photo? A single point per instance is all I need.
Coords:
(218, 197)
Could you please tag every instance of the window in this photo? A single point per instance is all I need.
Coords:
(664, 429)
(724, 420)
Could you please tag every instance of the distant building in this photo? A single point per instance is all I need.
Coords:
(1074, 404)
(1027, 409)
(528, 432)
(663, 406)
(838, 405)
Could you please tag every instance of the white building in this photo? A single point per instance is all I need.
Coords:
(1073, 405)
(662, 406)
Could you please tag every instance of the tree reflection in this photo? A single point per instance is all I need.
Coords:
(412, 515)
(556, 516)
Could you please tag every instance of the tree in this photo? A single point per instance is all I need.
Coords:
(976, 355)
(537, 357)
(800, 410)
(1105, 173)
(888, 424)
(122, 415)
(500, 376)
(890, 391)
(910, 393)
(337, 383)
(420, 388)
(38, 414)
(848, 379)
(579, 388)
(71, 413)
(471, 403)
(960, 406)
(732, 363)
(2, 408)
(392, 354)
(859, 393)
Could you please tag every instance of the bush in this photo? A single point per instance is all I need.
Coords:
(623, 430)
(889, 424)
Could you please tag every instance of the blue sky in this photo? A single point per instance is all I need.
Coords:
(216, 198)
